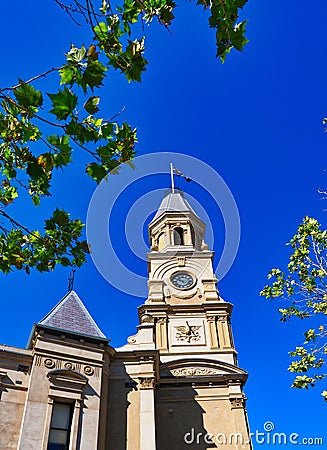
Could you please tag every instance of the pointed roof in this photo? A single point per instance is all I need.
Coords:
(173, 201)
(70, 314)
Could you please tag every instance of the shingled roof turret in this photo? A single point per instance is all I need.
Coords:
(70, 314)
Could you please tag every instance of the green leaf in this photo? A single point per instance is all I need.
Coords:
(131, 10)
(106, 130)
(63, 151)
(131, 62)
(238, 37)
(36, 199)
(46, 161)
(26, 95)
(60, 217)
(93, 75)
(64, 261)
(63, 103)
(70, 75)
(81, 132)
(8, 194)
(303, 382)
(91, 105)
(101, 30)
(137, 64)
(310, 335)
(96, 171)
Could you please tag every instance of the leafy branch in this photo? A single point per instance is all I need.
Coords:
(60, 243)
(304, 286)
(29, 153)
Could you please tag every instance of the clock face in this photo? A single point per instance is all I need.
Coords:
(182, 280)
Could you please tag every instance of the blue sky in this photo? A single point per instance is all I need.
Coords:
(256, 120)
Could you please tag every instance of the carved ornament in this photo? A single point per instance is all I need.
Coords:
(69, 366)
(49, 363)
(188, 333)
(237, 402)
(194, 371)
(88, 370)
(147, 383)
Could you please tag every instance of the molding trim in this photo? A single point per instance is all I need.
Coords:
(203, 368)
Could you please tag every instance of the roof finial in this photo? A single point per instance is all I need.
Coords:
(71, 279)
(172, 178)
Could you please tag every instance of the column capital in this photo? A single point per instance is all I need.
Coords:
(147, 382)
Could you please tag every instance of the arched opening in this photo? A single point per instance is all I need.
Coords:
(178, 236)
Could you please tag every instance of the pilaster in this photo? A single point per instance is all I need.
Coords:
(147, 414)
(213, 333)
(161, 334)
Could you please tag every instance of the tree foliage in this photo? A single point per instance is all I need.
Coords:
(30, 153)
(304, 286)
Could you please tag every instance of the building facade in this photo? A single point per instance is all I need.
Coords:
(175, 385)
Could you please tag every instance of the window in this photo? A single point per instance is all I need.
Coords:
(178, 236)
(60, 426)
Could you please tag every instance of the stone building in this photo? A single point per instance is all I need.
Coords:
(176, 383)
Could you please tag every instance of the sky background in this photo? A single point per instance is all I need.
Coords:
(257, 120)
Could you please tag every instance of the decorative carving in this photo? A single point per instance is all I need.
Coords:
(88, 370)
(49, 363)
(188, 333)
(162, 320)
(131, 340)
(59, 363)
(222, 318)
(146, 318)
(181, 261)
(237, 402)
(69, 366)
(194, 371)
(147, 383)
(211, 318)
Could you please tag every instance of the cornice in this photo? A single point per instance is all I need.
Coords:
(206, 307)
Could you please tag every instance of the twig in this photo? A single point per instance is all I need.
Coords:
(118, 114)
(17, 224)
(44, 74)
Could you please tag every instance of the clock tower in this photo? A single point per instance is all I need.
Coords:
(175, 385)
(183, 363)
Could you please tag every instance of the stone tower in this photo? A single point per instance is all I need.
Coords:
(186, 389)
(175, 385)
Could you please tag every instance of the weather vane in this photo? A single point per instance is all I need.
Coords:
(71, 279)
